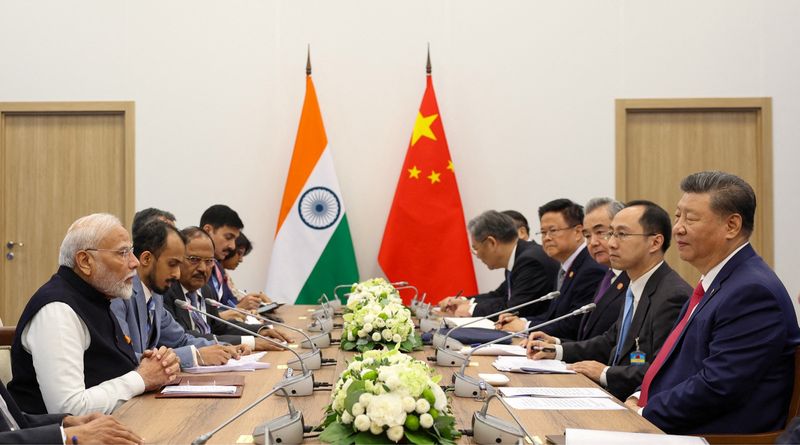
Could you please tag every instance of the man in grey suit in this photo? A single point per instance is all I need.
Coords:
(160, 249)
(617, 359)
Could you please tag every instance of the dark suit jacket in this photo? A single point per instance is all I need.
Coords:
(663, 296)
(42, 428)
(607, 311)
(221, 331)
(578, 288)
(732, 368)
(534, 275)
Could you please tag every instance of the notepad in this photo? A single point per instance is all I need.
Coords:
(460, 321)
(497, 349)
(245, 363)
(539, 391)
(562, 403)
(578, 436)
(524, 364)
(199, 389)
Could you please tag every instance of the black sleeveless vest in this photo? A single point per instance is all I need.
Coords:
(109, 354)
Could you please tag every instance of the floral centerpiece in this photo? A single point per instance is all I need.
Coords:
(385, 395)
(374, 316)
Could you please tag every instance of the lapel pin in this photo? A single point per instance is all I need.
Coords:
(127, 340)
(620, 286)
(571, 273)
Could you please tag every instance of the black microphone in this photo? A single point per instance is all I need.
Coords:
(468, 386)
(445, 342)
(290, 433)
(314, 343)
(301, 385)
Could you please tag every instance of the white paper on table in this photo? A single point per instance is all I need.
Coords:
(577, 436)
(539, 391)
(199, 389)
(460, 321)
(245, 363)
(524, 364)
(509, 350)
(561, 403)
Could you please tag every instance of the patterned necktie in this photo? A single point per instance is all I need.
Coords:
(561, 274)
(218, 277)
(197, 318)
(508, 284)
(626, 324)
(604, 285)
(151, 313)
(669, 343)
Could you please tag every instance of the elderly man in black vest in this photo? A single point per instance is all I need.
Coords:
(69, 353)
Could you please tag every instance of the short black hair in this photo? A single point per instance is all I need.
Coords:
(152, 237)
(519, 219)
(654, 220)
(729, 194)
(220, 215)
(193, 232)
(572, 212)
(143, 217)
(495, 224)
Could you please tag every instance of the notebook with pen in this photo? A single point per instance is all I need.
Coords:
(205, 386)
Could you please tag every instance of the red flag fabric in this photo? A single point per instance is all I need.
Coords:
(425, 241)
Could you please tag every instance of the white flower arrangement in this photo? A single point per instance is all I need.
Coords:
(388, 395)
(375, 315)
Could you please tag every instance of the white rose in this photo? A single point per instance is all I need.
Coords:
(369, 318)
(376, 336)
(423, 406)
(357, 409)
(346, 417)
(386, 410)
(364, 399)
(362, 422)
(387, 334)
(375, 429)
(380, 323)
(441, 398)
(362, 333)
(426, 421)
(396, 338)
(368, 327)
(409, 404)
(395, 433)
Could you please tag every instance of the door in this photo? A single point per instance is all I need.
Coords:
(661, 141)
(59, 161)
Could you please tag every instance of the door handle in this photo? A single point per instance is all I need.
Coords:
(10, 245)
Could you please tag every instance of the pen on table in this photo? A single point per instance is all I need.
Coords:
(501, 322)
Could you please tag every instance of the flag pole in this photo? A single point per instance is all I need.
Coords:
(428, 66)
(308, 61)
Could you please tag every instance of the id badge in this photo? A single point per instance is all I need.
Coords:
(638, 357)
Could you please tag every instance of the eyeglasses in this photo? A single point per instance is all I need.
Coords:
(600, 233)
(552, 232)
(622, 236)
(195, 260)
(124, 253)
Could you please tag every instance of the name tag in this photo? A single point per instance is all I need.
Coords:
(638, 358)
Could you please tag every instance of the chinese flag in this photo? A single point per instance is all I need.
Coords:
(425, 242)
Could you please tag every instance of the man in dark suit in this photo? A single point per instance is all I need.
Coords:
(529, 272)
(727, 367)
(638, 238)
(561, 224)
(610, 293)
(193, 288)
(19, 427)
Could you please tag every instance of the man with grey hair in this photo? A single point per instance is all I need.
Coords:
(727, 366)
(530, 273)
(69, 353)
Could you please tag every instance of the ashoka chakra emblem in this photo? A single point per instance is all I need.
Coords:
(319, 208)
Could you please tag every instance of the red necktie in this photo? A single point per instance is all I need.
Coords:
(669, 343)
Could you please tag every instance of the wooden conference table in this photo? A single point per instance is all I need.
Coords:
(180, 421)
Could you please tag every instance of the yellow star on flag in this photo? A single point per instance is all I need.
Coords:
(434, 177)
(422, 127)
(450, 166)
(413, 172)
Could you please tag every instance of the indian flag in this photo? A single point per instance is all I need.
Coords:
(313, 250)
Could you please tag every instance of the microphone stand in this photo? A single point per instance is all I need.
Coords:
(490, 430)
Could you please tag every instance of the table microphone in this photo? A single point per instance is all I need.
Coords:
(491, 430)
(466, 386)
(301, 385)
(318, 341)
(288, 428)
(444, 342)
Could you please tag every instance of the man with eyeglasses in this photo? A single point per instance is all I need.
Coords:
(617, 359)
(610, 293)
(160, 249)
(69, 353)
(194, 289)
(529, 272)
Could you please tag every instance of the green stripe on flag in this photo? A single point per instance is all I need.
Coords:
(337, 265)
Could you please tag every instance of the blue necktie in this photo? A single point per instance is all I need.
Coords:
(199, 323)
(151, 313)
(508, 284)
(626, 324)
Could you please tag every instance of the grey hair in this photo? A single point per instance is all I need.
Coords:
(493, 223)
(612, 205)
(85, 233)
(729, 194)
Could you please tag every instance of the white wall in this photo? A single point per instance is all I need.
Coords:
(526, 90)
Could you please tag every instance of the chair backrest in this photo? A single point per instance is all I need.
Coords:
(6, 339)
